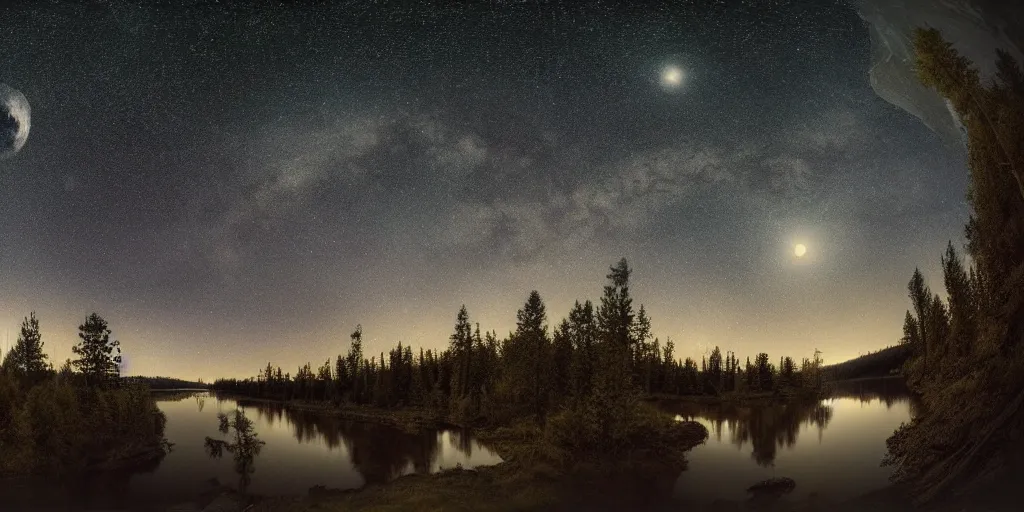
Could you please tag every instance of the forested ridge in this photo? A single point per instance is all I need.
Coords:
(880, 363)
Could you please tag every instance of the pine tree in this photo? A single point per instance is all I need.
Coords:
(994, 118)
(583, 336)
(714, 371)
(461, 347)
(561, 359)
(99, 359)
(532, 334)
(354, 361)
(27, 359)
(615, 325)
(669, 384)
(640, 332)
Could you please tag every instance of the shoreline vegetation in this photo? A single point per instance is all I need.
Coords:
(566, 410)
(966, 348)
(81, 418)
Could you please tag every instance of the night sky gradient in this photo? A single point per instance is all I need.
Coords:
(229, 186)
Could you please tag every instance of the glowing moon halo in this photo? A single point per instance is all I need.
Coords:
(799, 250)
(672, 77)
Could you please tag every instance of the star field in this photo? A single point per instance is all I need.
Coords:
(228, 186)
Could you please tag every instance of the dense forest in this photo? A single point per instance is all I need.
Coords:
(530, 371)
(81, 417)
(967, 359)
(881, 363)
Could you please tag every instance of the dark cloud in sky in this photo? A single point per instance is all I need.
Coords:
(229, 186)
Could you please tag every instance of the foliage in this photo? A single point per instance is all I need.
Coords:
(26, 359)
(54, 423)
(57, 427)
(99, 359)
(967, 359)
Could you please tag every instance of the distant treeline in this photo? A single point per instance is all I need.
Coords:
(533, 369)
(167, 382)
(887, 361)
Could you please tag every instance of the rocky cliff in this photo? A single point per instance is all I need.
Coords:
(976, 28)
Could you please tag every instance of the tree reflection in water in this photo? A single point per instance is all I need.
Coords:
(766, 427)
(888, 390)
(769, 427)
(244, 449)
(379, 452)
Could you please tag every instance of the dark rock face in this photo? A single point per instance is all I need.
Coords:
(975, 27)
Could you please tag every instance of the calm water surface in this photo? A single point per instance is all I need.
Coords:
(303, 449)
(830, 448)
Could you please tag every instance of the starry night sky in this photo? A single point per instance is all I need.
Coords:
(229, 186)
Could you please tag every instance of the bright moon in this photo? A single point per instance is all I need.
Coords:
(799, 250)
(671, 77)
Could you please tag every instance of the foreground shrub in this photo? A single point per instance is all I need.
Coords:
(59, 428)
(595, 436)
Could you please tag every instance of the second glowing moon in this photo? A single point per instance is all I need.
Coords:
(672, 77)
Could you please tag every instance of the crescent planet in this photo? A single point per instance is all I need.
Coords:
(15, 120)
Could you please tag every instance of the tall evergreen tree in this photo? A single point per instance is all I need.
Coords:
(715, 371)
(26, 358)
(99, 358)
(561, 359)
(532, 334)
(583, 336)
(354, 362)
(461, 347)
(615, 324)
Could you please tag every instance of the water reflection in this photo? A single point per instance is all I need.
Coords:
(765, 428)
(244, 448)
(830, 448)
(303, 449)
(889, 391)
(380, 453)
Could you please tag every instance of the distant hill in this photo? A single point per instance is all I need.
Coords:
(167, 383)
(887, 361)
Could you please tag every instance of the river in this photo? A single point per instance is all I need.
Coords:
(830, 448)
